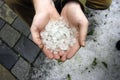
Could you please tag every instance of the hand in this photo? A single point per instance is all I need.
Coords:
(45, 11)
(73, 14)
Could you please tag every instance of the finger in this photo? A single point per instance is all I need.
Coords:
(36, 37)
(56, 56)
(61, 53)
(64, 57)
(48, 53)
(73, 50)
(39, 22)
(83, 32)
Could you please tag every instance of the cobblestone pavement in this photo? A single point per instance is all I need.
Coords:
(17, 51)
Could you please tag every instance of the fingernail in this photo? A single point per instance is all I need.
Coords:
(41, 46)
(63, 59)
(83, 44)
(50, 57)
(57, 58)
(68, 57)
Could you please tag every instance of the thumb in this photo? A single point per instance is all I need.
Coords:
(83, 28)
(36, 37)
(38, 25)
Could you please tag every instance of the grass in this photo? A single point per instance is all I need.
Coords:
(94, 63)
(91, 32)
(104, 64)
(68, 77)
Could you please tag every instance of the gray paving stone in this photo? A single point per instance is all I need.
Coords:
(21, 69)
(20, 25)
(40, 60)
(1, 2)
(27, 49)
(30, 37)
(5, 74)
(9, 35)
(7, 14)
(7, 57)
(2, 22)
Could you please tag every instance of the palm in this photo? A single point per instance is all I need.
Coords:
(39, 22)
(72, 50)
(74, 16)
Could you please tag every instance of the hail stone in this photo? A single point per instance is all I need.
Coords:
(58, 35)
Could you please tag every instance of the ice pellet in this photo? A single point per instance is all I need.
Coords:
(58, 35)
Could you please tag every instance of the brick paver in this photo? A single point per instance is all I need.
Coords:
(2, 22)
(7, 14)
(21, 69)
(1, 3)
(21, 26)
(7, 57)
(27, 49)
(5, 74)
(9, 35)
(30, 37)
(17, 50)
(40, 60)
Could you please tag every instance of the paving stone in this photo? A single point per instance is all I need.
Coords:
(21, 69)
(5, 74)
(0, 42)
(1, 23)
(1, 2)
(30, 37)
(7, 14)
(40, 60)
(7, 57)
(20, 25)
(27, 49)
(9, 35)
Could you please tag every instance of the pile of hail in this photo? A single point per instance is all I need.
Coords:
(58, 35)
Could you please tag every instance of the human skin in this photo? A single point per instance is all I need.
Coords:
(45, 11)
(72, 13)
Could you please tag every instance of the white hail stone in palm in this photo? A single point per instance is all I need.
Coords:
(58, 36)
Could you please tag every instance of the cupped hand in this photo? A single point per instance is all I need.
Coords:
(74, 16)
(45, 11)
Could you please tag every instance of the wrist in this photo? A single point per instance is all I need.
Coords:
(73, 2)
(42, 5)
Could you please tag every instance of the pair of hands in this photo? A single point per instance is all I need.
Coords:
(72, 13)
